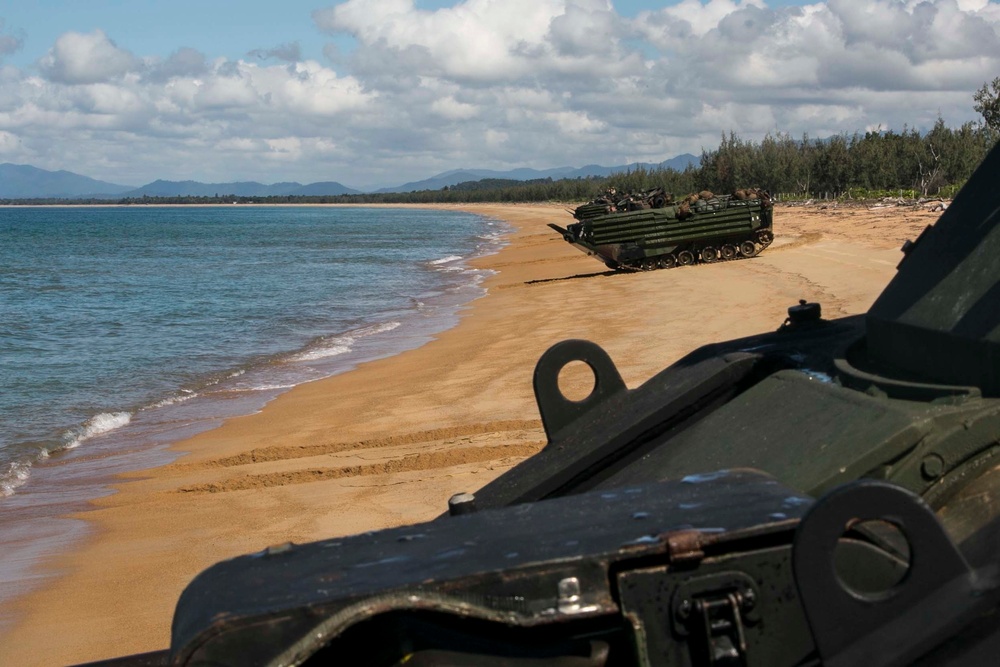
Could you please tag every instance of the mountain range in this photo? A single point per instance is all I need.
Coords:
(27, 182)
(161, 188)
(455, 176)
(19, 181)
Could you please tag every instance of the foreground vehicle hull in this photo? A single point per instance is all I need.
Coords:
(823, 494)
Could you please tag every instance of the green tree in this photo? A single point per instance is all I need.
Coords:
(831, 165)
(987, 104)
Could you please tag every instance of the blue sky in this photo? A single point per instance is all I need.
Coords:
(377, 92)
(155, 27)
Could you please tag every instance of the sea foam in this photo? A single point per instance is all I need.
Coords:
(445, 260)
(173, 400)
(342, 344)
(17, 473)
(96, 425)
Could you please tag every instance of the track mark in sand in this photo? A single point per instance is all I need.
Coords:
(277, 453)
(409, 463)
(574, 277)
(805, 238)
(810, 289)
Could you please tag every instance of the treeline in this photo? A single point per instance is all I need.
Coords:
(872, 164)
(867, 165)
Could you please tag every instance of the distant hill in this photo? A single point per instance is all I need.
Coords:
(22, 181)
(456, 176)
(323, 188)
(493, 184)
(162, 188)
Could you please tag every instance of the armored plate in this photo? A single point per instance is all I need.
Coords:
(939, 318)
(670, 234)
(528, 565)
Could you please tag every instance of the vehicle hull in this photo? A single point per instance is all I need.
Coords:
(718, 229)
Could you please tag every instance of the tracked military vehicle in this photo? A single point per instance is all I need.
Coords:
(649, 231)
(825, 494)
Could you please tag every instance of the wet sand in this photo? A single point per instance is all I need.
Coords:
(387, 443)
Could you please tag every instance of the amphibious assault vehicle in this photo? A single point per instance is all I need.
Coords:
(648, 230)
(825, 494)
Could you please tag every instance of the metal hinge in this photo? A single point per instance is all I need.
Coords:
(712, 616)
(721, 630)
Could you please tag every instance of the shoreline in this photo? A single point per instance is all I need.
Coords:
(46, 569)
(389, 441)
(37, 527)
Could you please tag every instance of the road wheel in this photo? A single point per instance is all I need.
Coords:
(668, 262)
(728, 251)
(685, 258)
(709, 254)
(748, 249)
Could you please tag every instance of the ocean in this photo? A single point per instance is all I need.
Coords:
(126, 329)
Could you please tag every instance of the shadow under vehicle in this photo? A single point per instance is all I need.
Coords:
(825, 494)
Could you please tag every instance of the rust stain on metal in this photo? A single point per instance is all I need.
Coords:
(684, 546)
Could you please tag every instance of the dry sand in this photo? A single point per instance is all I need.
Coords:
(388, 443)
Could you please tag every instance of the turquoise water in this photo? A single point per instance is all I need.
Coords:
(124, 330)
(112, 318)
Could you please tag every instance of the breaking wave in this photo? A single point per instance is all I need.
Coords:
(18, 471)
(446, 260)
(187, 395)
(96, 425)
(342, 344)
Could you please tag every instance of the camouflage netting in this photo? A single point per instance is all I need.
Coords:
(613, 202)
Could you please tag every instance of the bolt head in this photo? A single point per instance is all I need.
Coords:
(932, 467)
(461, 503)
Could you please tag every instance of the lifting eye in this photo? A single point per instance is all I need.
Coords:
(577, 381)
(572, 377)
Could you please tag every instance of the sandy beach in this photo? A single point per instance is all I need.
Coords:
(387, 443)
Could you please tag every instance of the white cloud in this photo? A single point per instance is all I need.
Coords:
(921, 31)
(86, 58)
(452, 109)
(480, 41)
(225, 92)
(9, 143)
(692, 18)
(285, 148)
(182, 62)
(498, 84)
(307, 88)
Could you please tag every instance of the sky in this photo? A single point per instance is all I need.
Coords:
(373, 93)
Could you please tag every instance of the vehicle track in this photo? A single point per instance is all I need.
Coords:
(411, 462)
